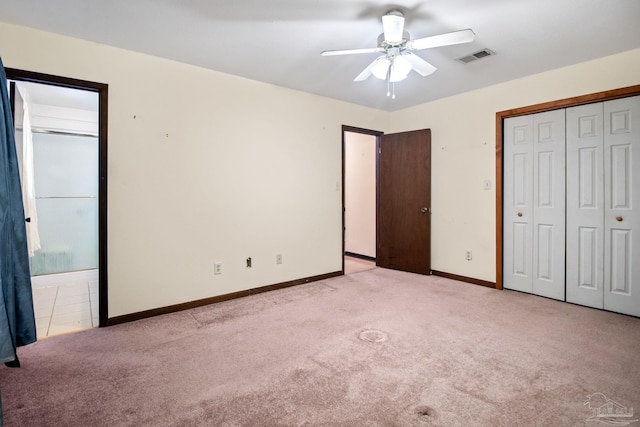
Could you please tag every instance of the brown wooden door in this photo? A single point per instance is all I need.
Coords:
(404, 202)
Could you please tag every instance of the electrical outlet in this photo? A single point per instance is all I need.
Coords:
(217, 268)
(468, 255)
(249, 262)
(279, 259)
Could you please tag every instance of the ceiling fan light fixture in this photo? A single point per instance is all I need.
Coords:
(393, 25)
(398, 59)
(401, 68)
(380, 69)
(394, 70)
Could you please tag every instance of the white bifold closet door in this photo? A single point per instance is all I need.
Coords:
(603, 229)
(534, 204)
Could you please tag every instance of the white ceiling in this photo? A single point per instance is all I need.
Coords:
(279, 41)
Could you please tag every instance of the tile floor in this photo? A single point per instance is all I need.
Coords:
(65, 302)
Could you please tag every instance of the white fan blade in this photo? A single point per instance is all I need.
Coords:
(351, 51)
(455, 37)
(419, 65)
(364, 75)
(393, 26)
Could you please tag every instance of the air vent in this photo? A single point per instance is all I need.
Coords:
(475, 56)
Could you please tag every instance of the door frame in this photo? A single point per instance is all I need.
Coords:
(533, 109)
(378, 135)
(103, 93)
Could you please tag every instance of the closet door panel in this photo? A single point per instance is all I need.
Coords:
(517, 204)
(584, 205)
(621, 220)
(549, 204)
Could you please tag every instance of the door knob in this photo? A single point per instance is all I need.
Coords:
(619, 218)
(424, 210)
(519, 213)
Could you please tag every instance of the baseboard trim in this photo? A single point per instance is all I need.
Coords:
(212, 300)
(365, 257)
(464, 279)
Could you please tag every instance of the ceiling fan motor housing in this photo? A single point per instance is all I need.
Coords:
(384, 44)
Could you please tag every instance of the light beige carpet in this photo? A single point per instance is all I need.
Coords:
(375, 348)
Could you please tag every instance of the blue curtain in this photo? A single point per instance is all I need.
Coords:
(17, 323)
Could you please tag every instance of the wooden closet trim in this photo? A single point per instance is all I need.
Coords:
(533, 109)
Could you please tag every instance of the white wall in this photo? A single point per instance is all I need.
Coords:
(360, 194)
(464, 147)
(205, 167)
(217, 168)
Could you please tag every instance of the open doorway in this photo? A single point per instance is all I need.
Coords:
(64, 181)
(360, 148)
(402, 207)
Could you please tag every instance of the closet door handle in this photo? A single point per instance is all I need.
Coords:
(619, 218)
(519, 213)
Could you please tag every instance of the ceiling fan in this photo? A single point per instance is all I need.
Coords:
(398, 59)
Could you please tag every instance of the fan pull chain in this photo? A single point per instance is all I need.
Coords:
(391, 86)
(389, 79)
